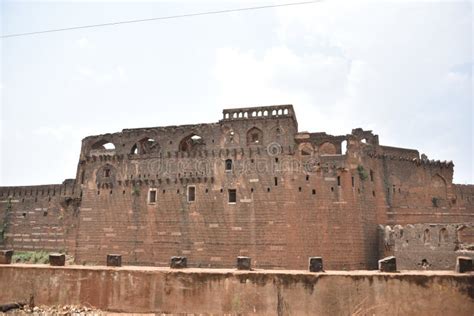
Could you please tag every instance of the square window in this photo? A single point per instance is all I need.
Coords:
(152, 196)
(232, 196)
(191, 194)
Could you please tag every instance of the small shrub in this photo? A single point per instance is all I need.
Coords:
(362, 173)
(22, 256)
(435, 201)
(135, 190)
(41, 257)
(30, 257)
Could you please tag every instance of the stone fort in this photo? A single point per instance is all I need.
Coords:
(249, 185)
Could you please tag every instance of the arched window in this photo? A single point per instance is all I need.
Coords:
(443, 235)
(254, 136)
(306, 149)
(438, 187)
(343, 147)
(465, 235)
(426, 236)
(103, 145)
(145, 146)
(105, 174)
(191, 143)
(327, 149)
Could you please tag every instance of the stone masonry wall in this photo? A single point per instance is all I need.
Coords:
(428, 246)
(152, 193)
(231, 292)
(39, 217)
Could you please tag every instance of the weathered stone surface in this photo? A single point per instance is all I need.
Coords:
(232, 292)
(427, 246)
(464, 264)
(179, 262)
(315, 264)
(388, 264)
(57, 259)
(249, 184)
(6, 256)
(114, 260)
(243, 263)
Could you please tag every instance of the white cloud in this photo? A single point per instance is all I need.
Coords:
(381, 66)
(83, 43)
(104, 77)
(121, 73)
(85, 71)
(60, 133)
(280, 75)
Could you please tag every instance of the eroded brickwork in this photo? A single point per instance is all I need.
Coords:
(43, 217)
(428, 246)
(248, 185)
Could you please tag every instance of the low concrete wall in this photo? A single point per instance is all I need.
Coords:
(141, 289)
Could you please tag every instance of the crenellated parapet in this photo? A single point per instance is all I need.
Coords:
(259, 112)
(46, 190)
(415, 161)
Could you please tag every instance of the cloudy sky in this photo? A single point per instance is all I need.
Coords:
(400, 68)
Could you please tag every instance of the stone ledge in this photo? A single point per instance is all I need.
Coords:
(217, 291)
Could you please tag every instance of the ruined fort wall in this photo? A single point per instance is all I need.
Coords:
(278, 225)
(297, 195)
(284, 213)
(38, 217)
(428, 246)
(417, 191)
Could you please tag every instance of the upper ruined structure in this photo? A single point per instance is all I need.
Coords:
(250, 184)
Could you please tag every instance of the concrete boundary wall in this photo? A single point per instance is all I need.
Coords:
(219, 291)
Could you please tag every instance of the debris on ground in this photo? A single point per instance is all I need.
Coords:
(59, 310)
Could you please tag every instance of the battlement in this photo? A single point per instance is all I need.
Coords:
(48, 190)
(265, 112)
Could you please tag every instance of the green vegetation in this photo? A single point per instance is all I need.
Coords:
(435, 201)
(30, 257)
(362, 173)
(135, 190)
(3, 225)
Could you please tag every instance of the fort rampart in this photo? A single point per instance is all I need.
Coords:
(250, 184)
